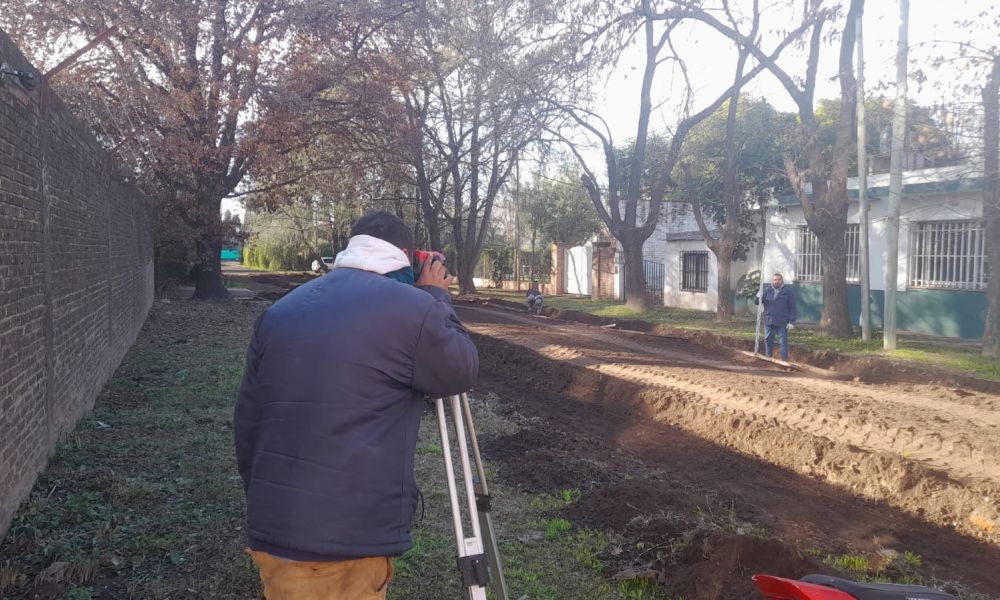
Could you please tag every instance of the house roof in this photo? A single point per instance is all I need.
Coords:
(937, 180)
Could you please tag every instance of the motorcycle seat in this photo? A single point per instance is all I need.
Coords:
(879, 591)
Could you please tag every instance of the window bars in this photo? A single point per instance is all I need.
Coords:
(809, 260)
(694, 271)
(655, 274)
(949, 255)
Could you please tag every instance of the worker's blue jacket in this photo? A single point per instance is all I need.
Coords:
(327, 416)
(779, 306)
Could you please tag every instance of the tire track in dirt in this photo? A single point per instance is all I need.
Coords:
(968, 449)
(940, 477)
(976, 409)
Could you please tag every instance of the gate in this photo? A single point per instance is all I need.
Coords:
(655, 273)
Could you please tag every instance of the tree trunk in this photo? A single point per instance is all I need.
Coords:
(635, 275)
(835, 320)
(725, 303)
(534, 257)
(466, 272)
(208, 283)
(991, 206)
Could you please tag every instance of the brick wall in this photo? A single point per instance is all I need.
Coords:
(605, 273)
(76, 276)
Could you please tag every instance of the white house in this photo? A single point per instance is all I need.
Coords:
(690, 269)
(942, 268)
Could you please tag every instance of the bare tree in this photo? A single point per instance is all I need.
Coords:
(724, 247)
(825, 204)
(634, 175)
(178, 82)
(472, 116)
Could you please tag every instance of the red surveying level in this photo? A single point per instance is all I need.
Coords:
(421, 257)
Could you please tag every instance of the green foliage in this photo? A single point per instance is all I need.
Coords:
(434, 449)
(887, 566)
(854, 564)
(570, 496)
(638, 589)
(288, 239)
(926, 132)
(584, 553)
(501, 261)
(761, 135)
(425, 546)
(748, 285)
(276, 257)
(559, 210)
(911, 559)
(80, 593)
(555, 527)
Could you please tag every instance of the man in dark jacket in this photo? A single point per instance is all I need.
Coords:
(327, 416)
(779, 314)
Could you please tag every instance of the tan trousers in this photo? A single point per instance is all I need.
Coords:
(360, 579)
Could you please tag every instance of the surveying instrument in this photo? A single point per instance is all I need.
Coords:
(478, 555)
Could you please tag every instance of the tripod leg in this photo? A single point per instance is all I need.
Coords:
(472, 563)
(450, 476)
(498, 582)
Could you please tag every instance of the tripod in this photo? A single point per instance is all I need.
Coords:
(478, 555)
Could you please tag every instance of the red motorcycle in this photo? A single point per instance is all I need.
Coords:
(824, 587)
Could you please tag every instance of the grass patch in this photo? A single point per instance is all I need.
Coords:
(890, 566)
(570, 496)
(142, 499)
(556, 527)
(638, 589)
(434, 449)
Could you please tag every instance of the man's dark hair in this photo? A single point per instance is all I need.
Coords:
(384, 226)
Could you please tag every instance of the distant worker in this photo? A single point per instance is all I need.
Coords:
(533, 300)
(779, 314)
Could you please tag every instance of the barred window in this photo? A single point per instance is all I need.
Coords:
(809, 261)
(852, 241)
(949, 255)
(694, 271)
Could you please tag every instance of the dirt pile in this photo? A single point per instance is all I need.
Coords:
(933, 455)
(747, 450)
(720, 567)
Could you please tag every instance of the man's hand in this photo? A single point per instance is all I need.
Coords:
(435, 275)
(791, 326)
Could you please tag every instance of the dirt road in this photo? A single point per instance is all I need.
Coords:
(822, 463)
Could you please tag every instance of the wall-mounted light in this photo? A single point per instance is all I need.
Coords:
(26, 77)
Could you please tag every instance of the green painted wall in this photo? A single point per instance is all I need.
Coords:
(933, 312)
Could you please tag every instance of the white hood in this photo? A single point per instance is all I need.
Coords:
(371, 254)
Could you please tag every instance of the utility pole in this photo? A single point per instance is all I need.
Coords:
(863, 253)
(896, 180)
(517, 224)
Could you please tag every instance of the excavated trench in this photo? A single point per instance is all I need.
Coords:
(822, 464)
